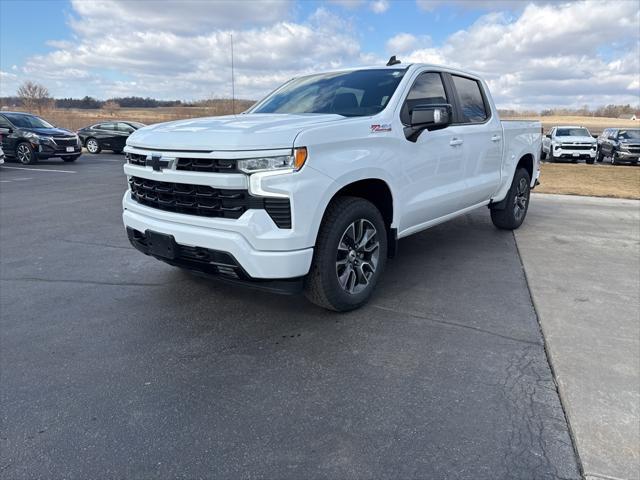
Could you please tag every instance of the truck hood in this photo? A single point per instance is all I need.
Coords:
(255, 131)
(576, 139)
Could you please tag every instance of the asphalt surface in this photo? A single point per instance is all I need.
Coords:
(115, 365)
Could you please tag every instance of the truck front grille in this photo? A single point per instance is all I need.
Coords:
(210, 165)
(569, 146)
(198, 200)
(205, 201)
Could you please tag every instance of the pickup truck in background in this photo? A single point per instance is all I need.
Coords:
(621, 145)
(312, 187)
(569, 143)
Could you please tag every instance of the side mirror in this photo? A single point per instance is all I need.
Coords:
(5, 131)
(548, 135)
(431, 117)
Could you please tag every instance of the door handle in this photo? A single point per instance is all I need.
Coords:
(496, 138)
(456, 141)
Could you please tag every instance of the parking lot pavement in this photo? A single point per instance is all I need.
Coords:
(116, 365)
(582, 258)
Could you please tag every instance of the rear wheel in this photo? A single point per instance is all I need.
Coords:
(92, 145)
(517, 203)
(25, 154)
(349, 257)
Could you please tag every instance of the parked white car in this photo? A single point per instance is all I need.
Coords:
(569, 143)
(313, 186)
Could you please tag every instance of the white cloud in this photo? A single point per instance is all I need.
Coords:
(170, 63)
(406, 42)
(379, 6)
(550, 54)
(544, 55)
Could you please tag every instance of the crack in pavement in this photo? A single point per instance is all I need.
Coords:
(460, 325)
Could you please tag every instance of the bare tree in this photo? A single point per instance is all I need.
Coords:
(34, 96)
(111, 107)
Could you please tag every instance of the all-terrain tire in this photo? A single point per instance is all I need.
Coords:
(516, 203)
(322, 285)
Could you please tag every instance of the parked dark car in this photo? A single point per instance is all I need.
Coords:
(28, 138)
(620, 145)
(107, 135)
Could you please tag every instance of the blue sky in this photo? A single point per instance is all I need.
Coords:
(534, 54)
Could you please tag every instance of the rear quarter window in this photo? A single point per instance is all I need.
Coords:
(471, 100)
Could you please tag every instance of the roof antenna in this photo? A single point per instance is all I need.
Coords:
(233, 85)
(393, 61)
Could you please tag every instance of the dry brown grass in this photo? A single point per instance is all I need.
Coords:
(617, 181)
(75, 118)
(594, 124)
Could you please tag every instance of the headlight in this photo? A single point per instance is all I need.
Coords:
(292, 162)
(34, 137)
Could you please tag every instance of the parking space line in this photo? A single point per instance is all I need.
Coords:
(38, 169)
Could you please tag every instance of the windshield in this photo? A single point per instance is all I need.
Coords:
(629, 134)
(572, 132)
(27, 121)
(351, 94)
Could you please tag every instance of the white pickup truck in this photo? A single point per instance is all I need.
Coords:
(312, 187)
(569, 143)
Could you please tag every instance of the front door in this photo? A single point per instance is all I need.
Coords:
(433, 164)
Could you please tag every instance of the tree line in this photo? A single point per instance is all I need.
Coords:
(35, 97)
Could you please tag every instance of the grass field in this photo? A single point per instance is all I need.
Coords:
(594, 124)
(617, 181)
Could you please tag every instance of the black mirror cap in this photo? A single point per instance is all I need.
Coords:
(431, 117)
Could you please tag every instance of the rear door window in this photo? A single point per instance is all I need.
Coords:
(472, 103)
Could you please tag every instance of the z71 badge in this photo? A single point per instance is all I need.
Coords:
(385, 127)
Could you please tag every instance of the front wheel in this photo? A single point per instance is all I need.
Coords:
(350, 255)
(590, 161)
(517, 203)
(614, 158)
(25, 154)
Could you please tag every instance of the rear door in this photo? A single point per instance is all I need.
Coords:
(123, 132)
(106, 133)
(483, 143)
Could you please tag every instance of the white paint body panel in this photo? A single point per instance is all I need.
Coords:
(431, 180)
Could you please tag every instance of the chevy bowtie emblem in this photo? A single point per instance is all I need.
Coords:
(158, 163)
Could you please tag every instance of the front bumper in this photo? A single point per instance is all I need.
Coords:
(46, 150)
(569, 154)
(626, 156)
(211, 234)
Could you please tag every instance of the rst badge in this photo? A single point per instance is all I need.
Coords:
(384, 127)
